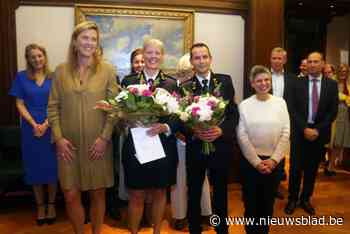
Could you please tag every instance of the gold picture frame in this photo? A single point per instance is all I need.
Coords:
(123, 28)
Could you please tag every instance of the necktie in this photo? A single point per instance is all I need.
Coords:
(314, 98)
(150, 83)
(205, 86)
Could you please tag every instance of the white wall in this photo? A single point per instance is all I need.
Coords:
(52, 27)
(338, 33)
(224, 34)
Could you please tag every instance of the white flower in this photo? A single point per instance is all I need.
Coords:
(205, 113)
(164, 98)
(172, 105)
(183, 115)
(121, 96)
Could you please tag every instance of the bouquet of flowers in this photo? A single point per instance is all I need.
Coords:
(202, 112)
(138, 104)
(344, 98)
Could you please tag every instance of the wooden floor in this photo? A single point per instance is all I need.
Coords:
(331, 198)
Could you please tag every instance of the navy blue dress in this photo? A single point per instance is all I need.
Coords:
(38, 154)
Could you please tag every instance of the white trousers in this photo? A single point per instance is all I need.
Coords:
(179, 191)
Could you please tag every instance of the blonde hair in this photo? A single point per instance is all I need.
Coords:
(184, 63)
(184, 68)
(153, 42)
(73, 52)
(343, 66)
(279, 50)
(29, 67)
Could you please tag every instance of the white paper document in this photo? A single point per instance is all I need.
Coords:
(147, 148)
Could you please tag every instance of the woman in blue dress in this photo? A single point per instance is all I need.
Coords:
(31, 89)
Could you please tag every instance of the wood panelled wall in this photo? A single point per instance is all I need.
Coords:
(8, 60)
(264, 30)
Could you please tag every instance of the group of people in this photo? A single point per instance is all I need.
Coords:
(64, 137)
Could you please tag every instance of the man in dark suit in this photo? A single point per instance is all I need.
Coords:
(281, 83)
(313, 107)
(222, 136)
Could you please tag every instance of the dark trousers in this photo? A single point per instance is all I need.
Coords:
(281, 171)
(258, 195)
(304, 162)
(195, 177)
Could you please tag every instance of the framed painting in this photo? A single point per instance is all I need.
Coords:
(124, 29)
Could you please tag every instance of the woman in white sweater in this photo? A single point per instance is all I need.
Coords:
(263, 136)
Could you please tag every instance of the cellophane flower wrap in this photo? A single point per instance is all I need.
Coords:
(344, 98)
(139, 105)
(202, 112)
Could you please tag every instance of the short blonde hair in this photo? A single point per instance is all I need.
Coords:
(154, 42)
(184, 63)
(257, 70)
(279, 50)
(73, 52)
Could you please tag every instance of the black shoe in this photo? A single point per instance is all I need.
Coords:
(307, 207)
(40, 222)
(87, 219)
(279, 195)
(52, 218)
(50, 221)
(115, 214)
(290, 207)
(329, 173)
(179, 224)
(144, 222)
(205, 220)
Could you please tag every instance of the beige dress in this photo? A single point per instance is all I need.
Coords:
(72, 115)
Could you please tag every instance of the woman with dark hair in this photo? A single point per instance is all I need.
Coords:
(136, 60)
(31, 89)
(137, 63)
(82, 133)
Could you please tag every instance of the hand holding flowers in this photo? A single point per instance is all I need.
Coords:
(203, 114)
(138, 105)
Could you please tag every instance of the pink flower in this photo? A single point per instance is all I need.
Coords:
(196, 98)
(176, 95)
(216, 93)
(212, 104)
(146, 93)
(133, 90)
(195, 110)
